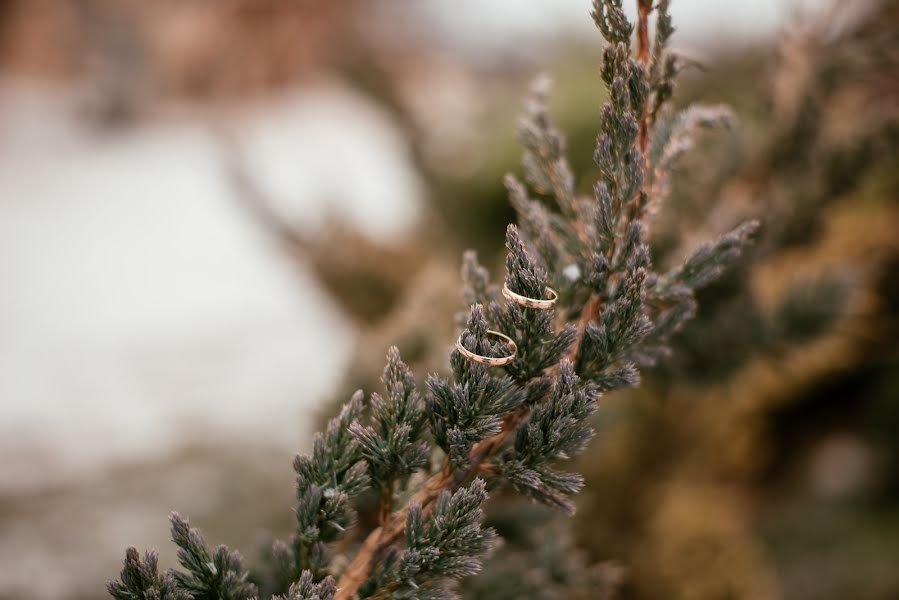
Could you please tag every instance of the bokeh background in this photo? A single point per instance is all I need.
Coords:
(216, 215)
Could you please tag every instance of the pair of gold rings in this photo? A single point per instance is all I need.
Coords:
(518, 299)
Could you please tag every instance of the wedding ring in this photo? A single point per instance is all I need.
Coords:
(489, 360)
(531, 302)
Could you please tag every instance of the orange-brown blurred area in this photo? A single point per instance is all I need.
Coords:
(197, 50)
(217, 215)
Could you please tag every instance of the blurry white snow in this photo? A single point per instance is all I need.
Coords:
(339, 156)
(141, 305)
(701, 24)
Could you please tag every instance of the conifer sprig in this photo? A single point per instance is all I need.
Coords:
(140, 580)
(556, 430)
(443, 547)
(430, 453)
(307, 589)
(218, 574)
(393, 446)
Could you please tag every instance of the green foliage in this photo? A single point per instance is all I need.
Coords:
(611, 20)
(674, 134)
(613, 315)
(546, 165)
(710, 260)
(393, 447)
(140, 580)
(540, 346)
(326, 482)
(663, 67)
(211, 575)
(444, 547)
(307, 589)
(557, 429)
(470, 407)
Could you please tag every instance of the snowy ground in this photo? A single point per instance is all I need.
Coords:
(145, 313)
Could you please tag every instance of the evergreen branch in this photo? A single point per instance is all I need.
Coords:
(327, 481)
(306, 589)
(362, 565)
(663, 67)
(211, 575)
(443, 547)
(470, 419)
(611, 21)
(619, 198)
(709, 261)
(393, 447)
(141, 580)
(360, 569)
(470, 407)
(540, 346)
(556, 429)
(545, 164)
(673, 136)
(612, 315)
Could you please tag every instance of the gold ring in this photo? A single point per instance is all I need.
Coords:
(489, 360)
(531, 302)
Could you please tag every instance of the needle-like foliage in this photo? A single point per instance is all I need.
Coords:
(326, 482)
(443, 547)
(393, 446)
(216, 574)
(557, 429)
(602, 314)
(471, 406)
(140, 580)
(307, 589)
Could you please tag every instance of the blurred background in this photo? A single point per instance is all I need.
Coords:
(216, 215)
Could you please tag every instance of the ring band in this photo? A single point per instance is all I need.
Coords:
(531, 302)
(489, 360)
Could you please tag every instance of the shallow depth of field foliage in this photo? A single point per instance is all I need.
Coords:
(420, 456)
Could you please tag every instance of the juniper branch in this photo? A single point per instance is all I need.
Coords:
(141, 580)
(307, 589)
(393, 446)
(613, 335)
(613, 315)
(216, 574)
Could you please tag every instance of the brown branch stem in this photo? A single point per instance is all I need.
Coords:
(360, 569)
(386, 506)
(393, 528)
(589, 313)
(644, 8)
